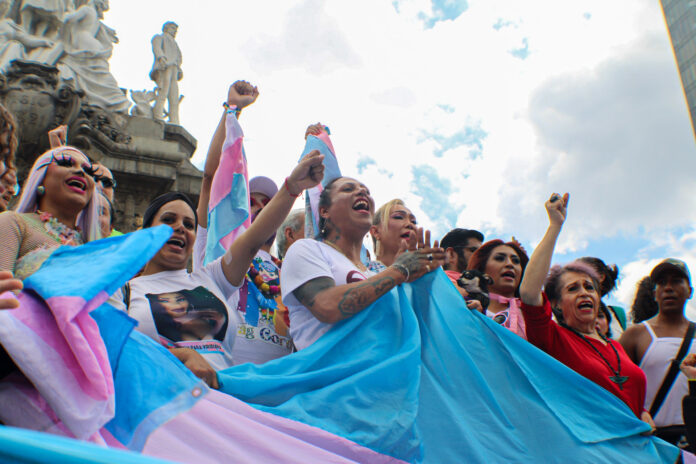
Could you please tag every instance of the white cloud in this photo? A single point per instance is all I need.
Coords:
(335, 63)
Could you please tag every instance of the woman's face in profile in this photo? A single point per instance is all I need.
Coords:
(174, 304)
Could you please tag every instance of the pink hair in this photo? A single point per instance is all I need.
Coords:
(87, 220)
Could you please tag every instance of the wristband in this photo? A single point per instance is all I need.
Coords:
(399, 268)
(288, 189)
(231, 108)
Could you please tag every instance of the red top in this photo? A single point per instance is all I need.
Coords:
(574, 352)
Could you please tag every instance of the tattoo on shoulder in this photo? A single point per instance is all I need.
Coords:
(358, 298)
(307, 292)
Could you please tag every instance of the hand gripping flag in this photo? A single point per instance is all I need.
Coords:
(419, 377)
(228, 208)
(320, 142)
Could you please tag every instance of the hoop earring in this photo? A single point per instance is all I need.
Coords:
(40, 190)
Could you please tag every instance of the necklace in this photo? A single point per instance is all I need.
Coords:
(59, 231)
(617, 378)
(359, 265)
(270, 288)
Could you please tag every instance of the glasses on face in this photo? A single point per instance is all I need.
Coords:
(106, 182)
(254, 202)
(470, 249)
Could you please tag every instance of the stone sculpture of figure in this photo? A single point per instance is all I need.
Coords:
(43, 18)
(84, 57)
(142, 99)
(166, 72)
(14, 41)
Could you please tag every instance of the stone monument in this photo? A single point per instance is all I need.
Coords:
(54, 69)
(166, 72)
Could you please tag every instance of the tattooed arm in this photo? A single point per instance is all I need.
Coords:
(330, 303)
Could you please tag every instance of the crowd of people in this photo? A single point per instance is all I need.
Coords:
(251, 306)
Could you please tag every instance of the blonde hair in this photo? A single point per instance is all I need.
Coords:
(382, 216)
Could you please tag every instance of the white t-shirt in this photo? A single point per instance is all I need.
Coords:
(305, 260)
(261, 336)
(187, 310)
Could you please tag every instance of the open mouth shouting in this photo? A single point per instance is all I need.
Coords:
(361, 204)
(508, 275)
(176, 243)
(586, 305)
(77, 184)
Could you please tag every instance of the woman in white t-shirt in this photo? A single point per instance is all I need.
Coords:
(323, 281)
(188, 312)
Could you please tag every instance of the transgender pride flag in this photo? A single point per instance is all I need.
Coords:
(320, 142)
(415, 377)
(228, 208)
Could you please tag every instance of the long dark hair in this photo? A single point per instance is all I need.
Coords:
(325, 202)
(644, 305)
(480, 257)
(609, 271)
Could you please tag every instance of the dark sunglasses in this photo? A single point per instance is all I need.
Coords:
(469, 248)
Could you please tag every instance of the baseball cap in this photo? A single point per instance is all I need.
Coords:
(262, 184)
(670, 264)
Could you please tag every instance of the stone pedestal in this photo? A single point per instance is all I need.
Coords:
(147, 157)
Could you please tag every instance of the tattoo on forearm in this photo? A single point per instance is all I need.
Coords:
(307, 292)
(358, 298)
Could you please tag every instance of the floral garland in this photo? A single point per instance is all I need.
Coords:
(59, 231)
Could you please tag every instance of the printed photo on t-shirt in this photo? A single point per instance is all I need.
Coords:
(188, 315)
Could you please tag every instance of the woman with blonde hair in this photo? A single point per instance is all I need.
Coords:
(391, 230)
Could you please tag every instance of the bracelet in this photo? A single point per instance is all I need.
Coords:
(401, 268)
(288, 189)
(231, 108)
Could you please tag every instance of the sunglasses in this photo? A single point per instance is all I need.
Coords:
(468, 248)
(107, 182)
(254, 202)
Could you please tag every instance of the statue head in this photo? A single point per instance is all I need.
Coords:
(4, 8)
(170, 27)
(101, 6)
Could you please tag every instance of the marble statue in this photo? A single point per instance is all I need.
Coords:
(143, 100)
(15, 43)
(166, 72)
(87, 44)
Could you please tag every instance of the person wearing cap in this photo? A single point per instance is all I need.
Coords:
(654, 343)
(262, 333)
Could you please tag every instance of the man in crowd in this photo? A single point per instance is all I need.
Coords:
(655, 343)
(290, 231)
(459, 245)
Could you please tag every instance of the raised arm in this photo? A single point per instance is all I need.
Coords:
(308, 173)
(540, 261)
(241, 94)
(330, 303)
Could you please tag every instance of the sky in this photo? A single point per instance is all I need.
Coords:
(473, 112)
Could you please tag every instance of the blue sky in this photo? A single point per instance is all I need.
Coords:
(473, 112)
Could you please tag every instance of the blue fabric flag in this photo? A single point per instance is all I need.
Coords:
(419, 377)
(18, 446)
